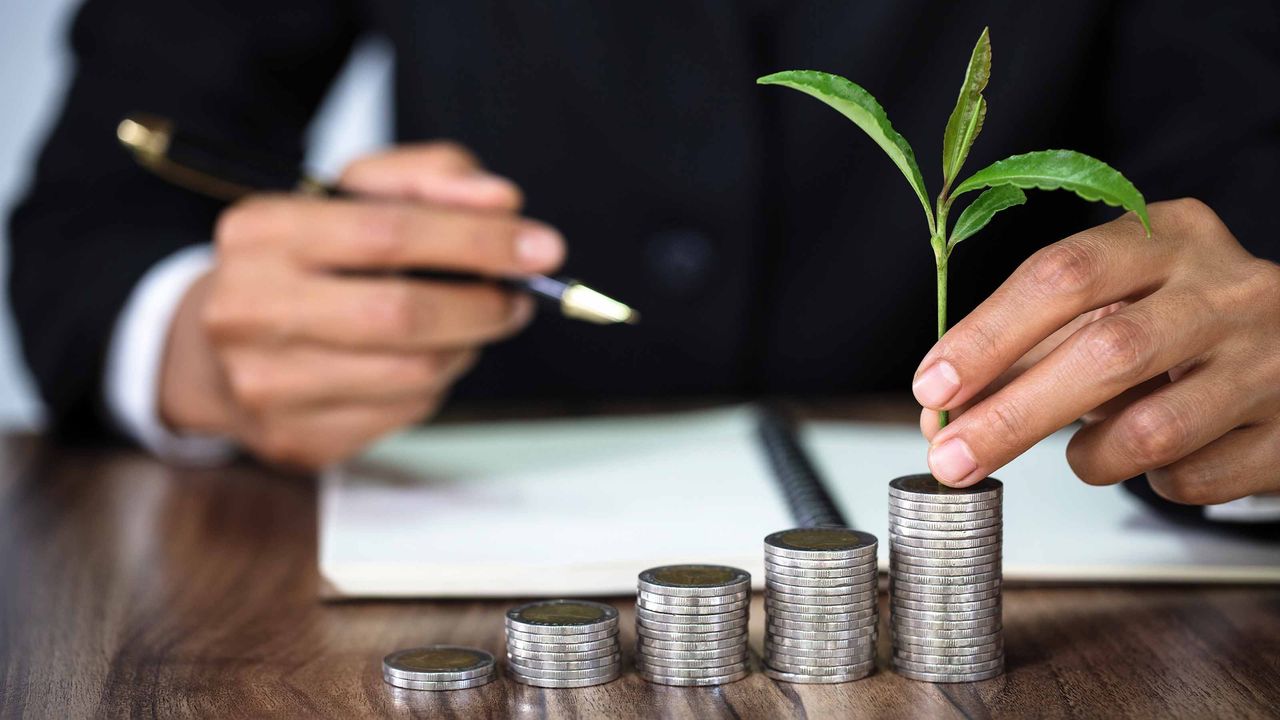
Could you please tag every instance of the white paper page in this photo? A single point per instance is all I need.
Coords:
(545, 508)
(1055, 526)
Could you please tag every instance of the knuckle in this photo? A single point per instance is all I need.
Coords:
(1006, 421)
(383, 231)
(392, 312)
(1184, 483)
(224, 317)
(248, 223)
(1068, 268)
(493, 242)
(1154, 434)
(452, 153)
(252, 388)
(1194, 214)
(1117, 348)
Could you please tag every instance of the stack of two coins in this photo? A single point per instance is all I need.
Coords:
(691, 624)
(821, 614)
(563, 643)
(944, 579)
(438, 667)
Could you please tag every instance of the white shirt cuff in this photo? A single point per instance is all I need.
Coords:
(132, 381)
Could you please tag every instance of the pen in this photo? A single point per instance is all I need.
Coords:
(206, 167)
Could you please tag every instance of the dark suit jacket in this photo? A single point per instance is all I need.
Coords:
(770, 246)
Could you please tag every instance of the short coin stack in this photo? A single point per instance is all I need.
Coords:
(563, 643)
(944, 579)
(438, 667)
(691, 624)
(821, 616)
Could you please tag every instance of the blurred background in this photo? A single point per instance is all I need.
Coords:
(34, 65)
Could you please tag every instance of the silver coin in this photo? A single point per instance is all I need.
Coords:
(782, 623)
(944, 559)
(651, 611)
(694, 644)
(949, 678)
(695, 601)
(869, 602)
(801, 564)
(695, 580)
(963, 651)
(786, 643)
(551, 683)
(701, 654)
(695, 630)
(783, 666)
(820, 543)
(902, 524)
(438, 685)
(852, 657)
(972, 580)
(707, 672)
(773, 584)
(953, 616)
(693, 682)
(897, 530)
(858, 648)
(562, 617)
(561, 647)
(529, 656)
(991, 567)
(778, 632)
(946, 668)
(438, 663)
(937, 596)
(589, 674)
(645, 631)
(799, 678)
(925, 488)
(711, 613)
(576, 638)
(780, 597)
(667, 665)
(913, 545)
(976, 641)
(859, 616)
(857, 583)
(853, 571)
(949, 659)
(905, 628)
(944, 607)
(948, 515)
(897, 504)
(593, 664)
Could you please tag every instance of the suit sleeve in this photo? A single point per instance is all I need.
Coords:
(1193, 108)
(92, 223)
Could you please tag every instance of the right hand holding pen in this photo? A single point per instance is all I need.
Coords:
(306, 366)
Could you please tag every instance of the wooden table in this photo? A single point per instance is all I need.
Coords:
(128, 588)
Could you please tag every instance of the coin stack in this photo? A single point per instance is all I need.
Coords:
(438, 667)
(691, 624)
(944, 579)
(563, 643)
(821, 616)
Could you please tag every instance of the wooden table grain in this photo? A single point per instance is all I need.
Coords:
(128, 588)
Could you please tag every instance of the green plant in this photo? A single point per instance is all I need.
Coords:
(1004, 180)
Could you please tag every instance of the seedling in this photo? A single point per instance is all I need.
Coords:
(1004, 180)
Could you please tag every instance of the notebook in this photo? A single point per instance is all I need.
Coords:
(578, 507)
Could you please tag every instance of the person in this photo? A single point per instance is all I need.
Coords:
(769, 247)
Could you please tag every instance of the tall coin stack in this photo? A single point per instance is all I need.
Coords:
(691, 624)
(944, 579)
(821, 615)
(563, 643)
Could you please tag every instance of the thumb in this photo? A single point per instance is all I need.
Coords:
(443, 173)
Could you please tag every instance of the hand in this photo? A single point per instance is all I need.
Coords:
(1168, 347)
(306, 366)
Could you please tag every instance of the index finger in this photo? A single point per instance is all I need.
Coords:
(1084, 272)
(361, 235)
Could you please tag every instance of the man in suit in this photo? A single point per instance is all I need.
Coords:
(769, 247)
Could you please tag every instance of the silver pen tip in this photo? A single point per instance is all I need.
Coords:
(583, 303)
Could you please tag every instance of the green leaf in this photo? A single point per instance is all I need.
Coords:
(971, 109)
(1087, 177)
(859, 106)
(980, 211)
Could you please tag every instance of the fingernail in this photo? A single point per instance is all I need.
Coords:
(936, 385)
(539, 248)
(952, 461)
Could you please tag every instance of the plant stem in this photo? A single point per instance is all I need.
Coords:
(943, 415)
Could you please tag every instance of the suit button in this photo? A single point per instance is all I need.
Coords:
(679, 261)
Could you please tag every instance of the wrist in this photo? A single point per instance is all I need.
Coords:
(193, 390)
